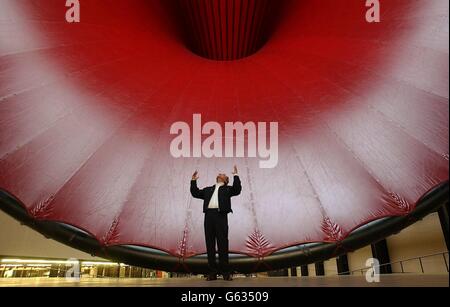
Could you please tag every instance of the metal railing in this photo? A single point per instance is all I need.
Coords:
(402, 263)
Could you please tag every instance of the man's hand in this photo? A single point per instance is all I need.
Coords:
(235, 171)
(195, 176)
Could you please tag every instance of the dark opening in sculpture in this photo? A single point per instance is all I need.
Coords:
(86, 110)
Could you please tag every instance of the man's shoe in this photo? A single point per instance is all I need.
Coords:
(211, 277)
(227, 277)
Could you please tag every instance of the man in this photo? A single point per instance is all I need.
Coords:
(217, 206)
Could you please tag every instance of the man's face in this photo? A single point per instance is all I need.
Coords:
(222, 178)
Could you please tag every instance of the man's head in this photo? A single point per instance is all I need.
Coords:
(223, 178)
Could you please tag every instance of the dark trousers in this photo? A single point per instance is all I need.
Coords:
(216, 230)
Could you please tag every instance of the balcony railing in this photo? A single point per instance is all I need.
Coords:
(420, 261)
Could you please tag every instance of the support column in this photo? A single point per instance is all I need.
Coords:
(443, 216)
(342, 265)
(380, 251)
(320, 269)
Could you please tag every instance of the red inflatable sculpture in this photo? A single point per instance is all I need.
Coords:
(86, 110)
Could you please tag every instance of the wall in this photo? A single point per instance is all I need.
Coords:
(357, 259)
(331, 267)
(423, 238)
(21, 241)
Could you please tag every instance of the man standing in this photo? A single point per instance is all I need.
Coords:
(217, 206)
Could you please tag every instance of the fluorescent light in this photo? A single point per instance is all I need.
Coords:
(41, 261)
(67, 262)
(90, 263)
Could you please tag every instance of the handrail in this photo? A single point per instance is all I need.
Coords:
(363, 269)
(401, 262)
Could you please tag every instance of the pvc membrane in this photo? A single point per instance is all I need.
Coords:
(86, 111)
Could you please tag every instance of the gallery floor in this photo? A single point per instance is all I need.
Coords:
(335, 281)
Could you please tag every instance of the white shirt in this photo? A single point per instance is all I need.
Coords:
(214, 202)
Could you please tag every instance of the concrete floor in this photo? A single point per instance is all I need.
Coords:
(335, 281)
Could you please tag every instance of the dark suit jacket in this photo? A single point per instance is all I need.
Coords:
(225, 194)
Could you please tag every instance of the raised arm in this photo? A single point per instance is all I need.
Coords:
(237, 187)
(195, 191)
